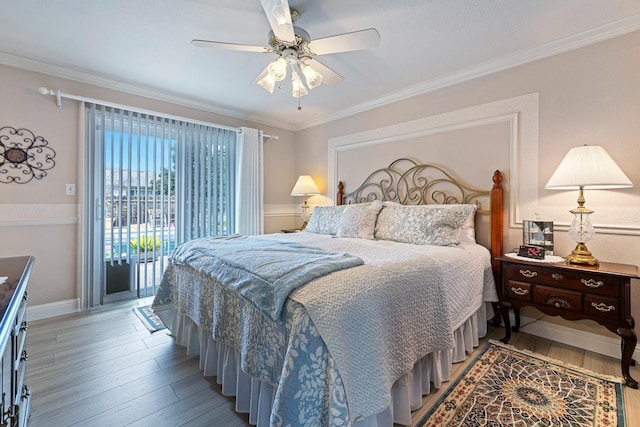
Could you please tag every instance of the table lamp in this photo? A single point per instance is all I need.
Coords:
(305, 186)
(586, 167)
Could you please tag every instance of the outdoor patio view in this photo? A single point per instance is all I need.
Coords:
(139, 228)
(159, 182)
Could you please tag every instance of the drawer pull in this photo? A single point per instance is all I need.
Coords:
(592, 283)
(558, 302)
(600, 306)
(557, 276)
(25, 296)
(519, 291)
(23, 326)
(528, 273)
(24, 357)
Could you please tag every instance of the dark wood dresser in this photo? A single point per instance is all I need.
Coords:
(600, 293)
(16, 395)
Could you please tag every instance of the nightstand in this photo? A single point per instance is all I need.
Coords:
(600, 293)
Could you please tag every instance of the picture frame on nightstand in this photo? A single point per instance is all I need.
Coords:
(538, 233)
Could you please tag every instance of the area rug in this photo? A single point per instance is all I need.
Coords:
(148, 318)
(505, 386)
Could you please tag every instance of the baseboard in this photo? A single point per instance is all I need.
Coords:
(606, 345)
(53, 309)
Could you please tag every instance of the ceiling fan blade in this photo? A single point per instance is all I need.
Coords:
(228, 46)
(329, 77)
(279, 17)
(358, 40)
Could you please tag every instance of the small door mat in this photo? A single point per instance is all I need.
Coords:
(148, 318)
(505, 386)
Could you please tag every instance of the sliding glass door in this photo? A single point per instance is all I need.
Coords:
(155, 182)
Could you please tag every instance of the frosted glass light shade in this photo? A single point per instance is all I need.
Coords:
(589, 167)
(278, 69)
(297, 87)
(305, 186)
(267, 82)
(311, 76)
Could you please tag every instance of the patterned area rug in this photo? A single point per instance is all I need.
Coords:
(150, 320)
(505, 386)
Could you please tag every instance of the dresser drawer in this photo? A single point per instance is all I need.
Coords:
(603, 308)
(519, 290)
(561, 299)
(567, 279)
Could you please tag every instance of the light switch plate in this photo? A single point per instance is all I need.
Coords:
(70, 190)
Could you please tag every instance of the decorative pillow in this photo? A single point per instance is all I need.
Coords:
(325, 219)
(423, 225)
(467, 231)
(359, 220)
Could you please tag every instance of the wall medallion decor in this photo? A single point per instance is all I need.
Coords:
(23, 156)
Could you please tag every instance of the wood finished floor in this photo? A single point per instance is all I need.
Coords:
(105, 369)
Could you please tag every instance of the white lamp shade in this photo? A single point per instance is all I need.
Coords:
(589, 167)
(305, 186)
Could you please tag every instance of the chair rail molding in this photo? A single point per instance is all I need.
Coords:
(16, 215)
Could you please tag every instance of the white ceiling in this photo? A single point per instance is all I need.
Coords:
(143, 47)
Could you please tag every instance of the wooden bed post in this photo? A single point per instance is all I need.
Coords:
(340, 195)
(497, 222)
(497, 235)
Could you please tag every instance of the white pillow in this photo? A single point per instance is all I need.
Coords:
(359, 220)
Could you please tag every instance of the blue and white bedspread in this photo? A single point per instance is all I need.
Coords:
(345, 337)
(263, 271)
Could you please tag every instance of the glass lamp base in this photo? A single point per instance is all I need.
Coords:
(581, 255)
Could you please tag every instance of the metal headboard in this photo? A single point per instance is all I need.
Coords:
(406, 182)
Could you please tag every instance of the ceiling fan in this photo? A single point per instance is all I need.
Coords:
(296, 50)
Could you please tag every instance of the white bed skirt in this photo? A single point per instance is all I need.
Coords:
(255, 397)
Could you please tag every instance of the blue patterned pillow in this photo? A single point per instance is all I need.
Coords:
(325, 219)
(359, 220)
(432, 225)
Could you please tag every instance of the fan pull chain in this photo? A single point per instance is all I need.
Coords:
(299, 106)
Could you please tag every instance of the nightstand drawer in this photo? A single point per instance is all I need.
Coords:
(596, 284)
(519, 290)
(566, 279)
(562, 299)
(604, 308)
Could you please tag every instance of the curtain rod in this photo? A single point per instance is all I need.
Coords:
(59, 95)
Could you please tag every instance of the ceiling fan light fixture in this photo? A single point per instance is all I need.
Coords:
(311, 76)
(267, 82)
(278, 69)
(298, 90)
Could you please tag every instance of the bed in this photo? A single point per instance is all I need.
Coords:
(360, 345)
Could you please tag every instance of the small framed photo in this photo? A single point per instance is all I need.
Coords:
(538, 233)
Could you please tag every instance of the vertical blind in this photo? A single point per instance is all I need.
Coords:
(164, 181)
